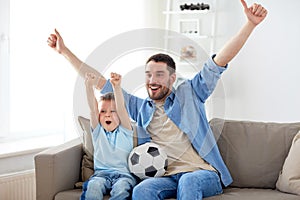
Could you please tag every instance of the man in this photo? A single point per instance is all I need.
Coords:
(176, 120)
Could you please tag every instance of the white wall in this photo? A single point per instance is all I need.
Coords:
(84, 25)
(4, 72)
(262, 82)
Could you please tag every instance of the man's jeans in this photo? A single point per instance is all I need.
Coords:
(185, 186)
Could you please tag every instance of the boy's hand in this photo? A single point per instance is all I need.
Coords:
(115, 79)
(56, 42)
(255, 13)
(91, 80)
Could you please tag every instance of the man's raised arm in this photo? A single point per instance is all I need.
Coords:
(255, 15)
(56, 42)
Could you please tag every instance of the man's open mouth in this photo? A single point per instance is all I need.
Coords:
(154, 87)
(108, 122)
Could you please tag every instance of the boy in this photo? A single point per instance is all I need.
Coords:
(112, 136)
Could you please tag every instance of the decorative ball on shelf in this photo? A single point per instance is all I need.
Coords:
(184, 7)
(203, 6)
(148, 160)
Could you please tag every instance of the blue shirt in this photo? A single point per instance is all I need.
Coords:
(111, 149)
(185, 107)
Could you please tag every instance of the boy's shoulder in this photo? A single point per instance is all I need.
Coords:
(124, 130)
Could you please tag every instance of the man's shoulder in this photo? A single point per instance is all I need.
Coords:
(182, 86)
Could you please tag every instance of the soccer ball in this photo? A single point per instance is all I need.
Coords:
(147, 160)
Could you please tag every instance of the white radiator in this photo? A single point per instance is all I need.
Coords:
(18, 186)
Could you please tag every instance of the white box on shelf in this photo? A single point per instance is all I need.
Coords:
(189, 27)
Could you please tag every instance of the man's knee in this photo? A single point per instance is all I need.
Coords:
(142, 191)
(187, 180)
(138, 192)
(198, 184)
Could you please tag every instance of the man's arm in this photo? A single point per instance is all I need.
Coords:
(56, 42)
(255, 14)
(119, 99)
(92, 102)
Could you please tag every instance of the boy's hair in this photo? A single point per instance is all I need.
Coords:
(107, 97)
(160, 57)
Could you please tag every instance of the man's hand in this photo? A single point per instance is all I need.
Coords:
(56, 42)
(115, 79)
(255, 13)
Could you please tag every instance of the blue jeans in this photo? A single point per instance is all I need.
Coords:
(186, 186)
(118, 185)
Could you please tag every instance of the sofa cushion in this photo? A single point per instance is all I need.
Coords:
(252, 194)
(72, 195)
(254, 152)
(229, 194)
(87, 165)
(289, 178)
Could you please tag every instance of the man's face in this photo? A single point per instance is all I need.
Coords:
(159, 82)
(108, 116)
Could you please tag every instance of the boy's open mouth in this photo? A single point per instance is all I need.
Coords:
(108, 122)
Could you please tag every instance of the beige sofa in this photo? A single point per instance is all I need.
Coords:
(253, 151)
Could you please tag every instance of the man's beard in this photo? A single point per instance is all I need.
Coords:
(161, 95)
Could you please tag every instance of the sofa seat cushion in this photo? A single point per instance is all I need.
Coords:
(229, 194)
(253, 194)
(71, 195)
(74, 195)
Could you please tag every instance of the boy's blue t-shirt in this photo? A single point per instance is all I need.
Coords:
(111, 149)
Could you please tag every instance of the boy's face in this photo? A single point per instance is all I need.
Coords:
(108, 116)
(159, 82)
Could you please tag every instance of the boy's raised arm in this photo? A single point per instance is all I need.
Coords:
(119, 99)
(92, 101)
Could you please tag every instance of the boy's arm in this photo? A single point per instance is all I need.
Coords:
(255, 14)
(92, 101)
(119, 99)
(56, 42)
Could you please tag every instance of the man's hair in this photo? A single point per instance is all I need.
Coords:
(160, 57)
(107, 97)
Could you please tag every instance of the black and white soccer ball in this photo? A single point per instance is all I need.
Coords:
(148, 160)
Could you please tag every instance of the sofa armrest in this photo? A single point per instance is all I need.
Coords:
(57, 169)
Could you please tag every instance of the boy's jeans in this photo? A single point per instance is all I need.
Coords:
(185, 186)
(118, 185)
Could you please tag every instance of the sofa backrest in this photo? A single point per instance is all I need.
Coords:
(254, 152)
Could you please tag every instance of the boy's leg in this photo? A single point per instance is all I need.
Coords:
(155, 189)
(94, 188)
(199, 184)
(122, 187)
